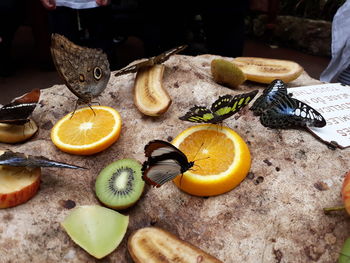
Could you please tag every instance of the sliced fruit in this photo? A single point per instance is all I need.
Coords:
(87, 131)
(119, 185)
(344, 255)
(98, 230)
(226, 73)
(155, 245)
(17, 185)
(150, 97)
(222, 159)
(345, 191)
(10, 133)
(265, 70)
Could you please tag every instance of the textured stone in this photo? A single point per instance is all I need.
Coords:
(279, 219)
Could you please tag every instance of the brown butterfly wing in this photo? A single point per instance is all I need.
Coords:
(19, 109)
(150, 61)
(85, 70)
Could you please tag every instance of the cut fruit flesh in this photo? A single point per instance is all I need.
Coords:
(119, 185)
(88, 131)
(222, 159)
(98, 230)
(10, 133)
(226, 73)
(265, 70)
(155, 245)
(17, 185)
(150, 97)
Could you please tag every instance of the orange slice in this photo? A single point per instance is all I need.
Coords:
(87, 132)
(222, 159)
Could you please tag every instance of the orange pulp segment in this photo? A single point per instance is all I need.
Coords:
(87, 131)
(222, 159)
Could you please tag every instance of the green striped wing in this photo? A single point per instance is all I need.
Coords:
(198, 114)
(226, 106)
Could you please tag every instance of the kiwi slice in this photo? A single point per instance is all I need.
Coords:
(119, 185)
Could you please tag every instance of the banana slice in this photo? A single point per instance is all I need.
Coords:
(265, 70)
(150, 97)
(154, 245)
(10, 133)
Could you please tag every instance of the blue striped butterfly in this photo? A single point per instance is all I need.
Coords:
(277, 109)
(223, 108)
(164, 163)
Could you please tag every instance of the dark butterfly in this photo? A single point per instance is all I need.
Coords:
(85, 71)
(21, 160)
(277, 109)
(19, 109)
(150, 61)
(222, 108)
(164, 163)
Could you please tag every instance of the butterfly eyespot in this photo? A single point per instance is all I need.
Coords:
(97, 73)
(81, 78)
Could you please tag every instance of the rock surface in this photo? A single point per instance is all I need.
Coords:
(274, 215)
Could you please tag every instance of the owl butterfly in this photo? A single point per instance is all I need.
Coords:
(277, 109)
(164, 163)
(223, 108)
(85, 71)
(19, 109)
(21, 160)
(150, 61)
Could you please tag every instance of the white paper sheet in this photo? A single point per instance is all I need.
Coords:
(333, 102)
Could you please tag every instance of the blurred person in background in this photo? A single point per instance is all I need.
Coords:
(84, 22)
(338, 69)
(11, 16)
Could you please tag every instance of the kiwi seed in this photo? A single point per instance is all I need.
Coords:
(119, 185)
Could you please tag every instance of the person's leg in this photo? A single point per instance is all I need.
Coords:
(225, 35)
(64, 21)
(224, 27)
(11, 14)
(98, 22)
(38, 20)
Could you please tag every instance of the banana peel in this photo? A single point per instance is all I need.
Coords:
(155, 245)
(150, 97)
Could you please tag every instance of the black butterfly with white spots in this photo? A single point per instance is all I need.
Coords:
(164, 163)
(223, 108)
(277, 109)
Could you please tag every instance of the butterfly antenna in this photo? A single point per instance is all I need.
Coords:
(201, 160)
(198, 150)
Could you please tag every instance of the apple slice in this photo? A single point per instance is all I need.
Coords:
(17, 185)
(96, 229)
(10, 133)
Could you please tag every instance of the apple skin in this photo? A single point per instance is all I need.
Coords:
(22, 195)
(346, 192)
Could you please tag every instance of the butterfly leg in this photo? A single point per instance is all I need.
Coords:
(91, 109)
(75, 108)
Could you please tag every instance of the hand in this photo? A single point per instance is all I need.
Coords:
(103, 2)
(49, 4)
